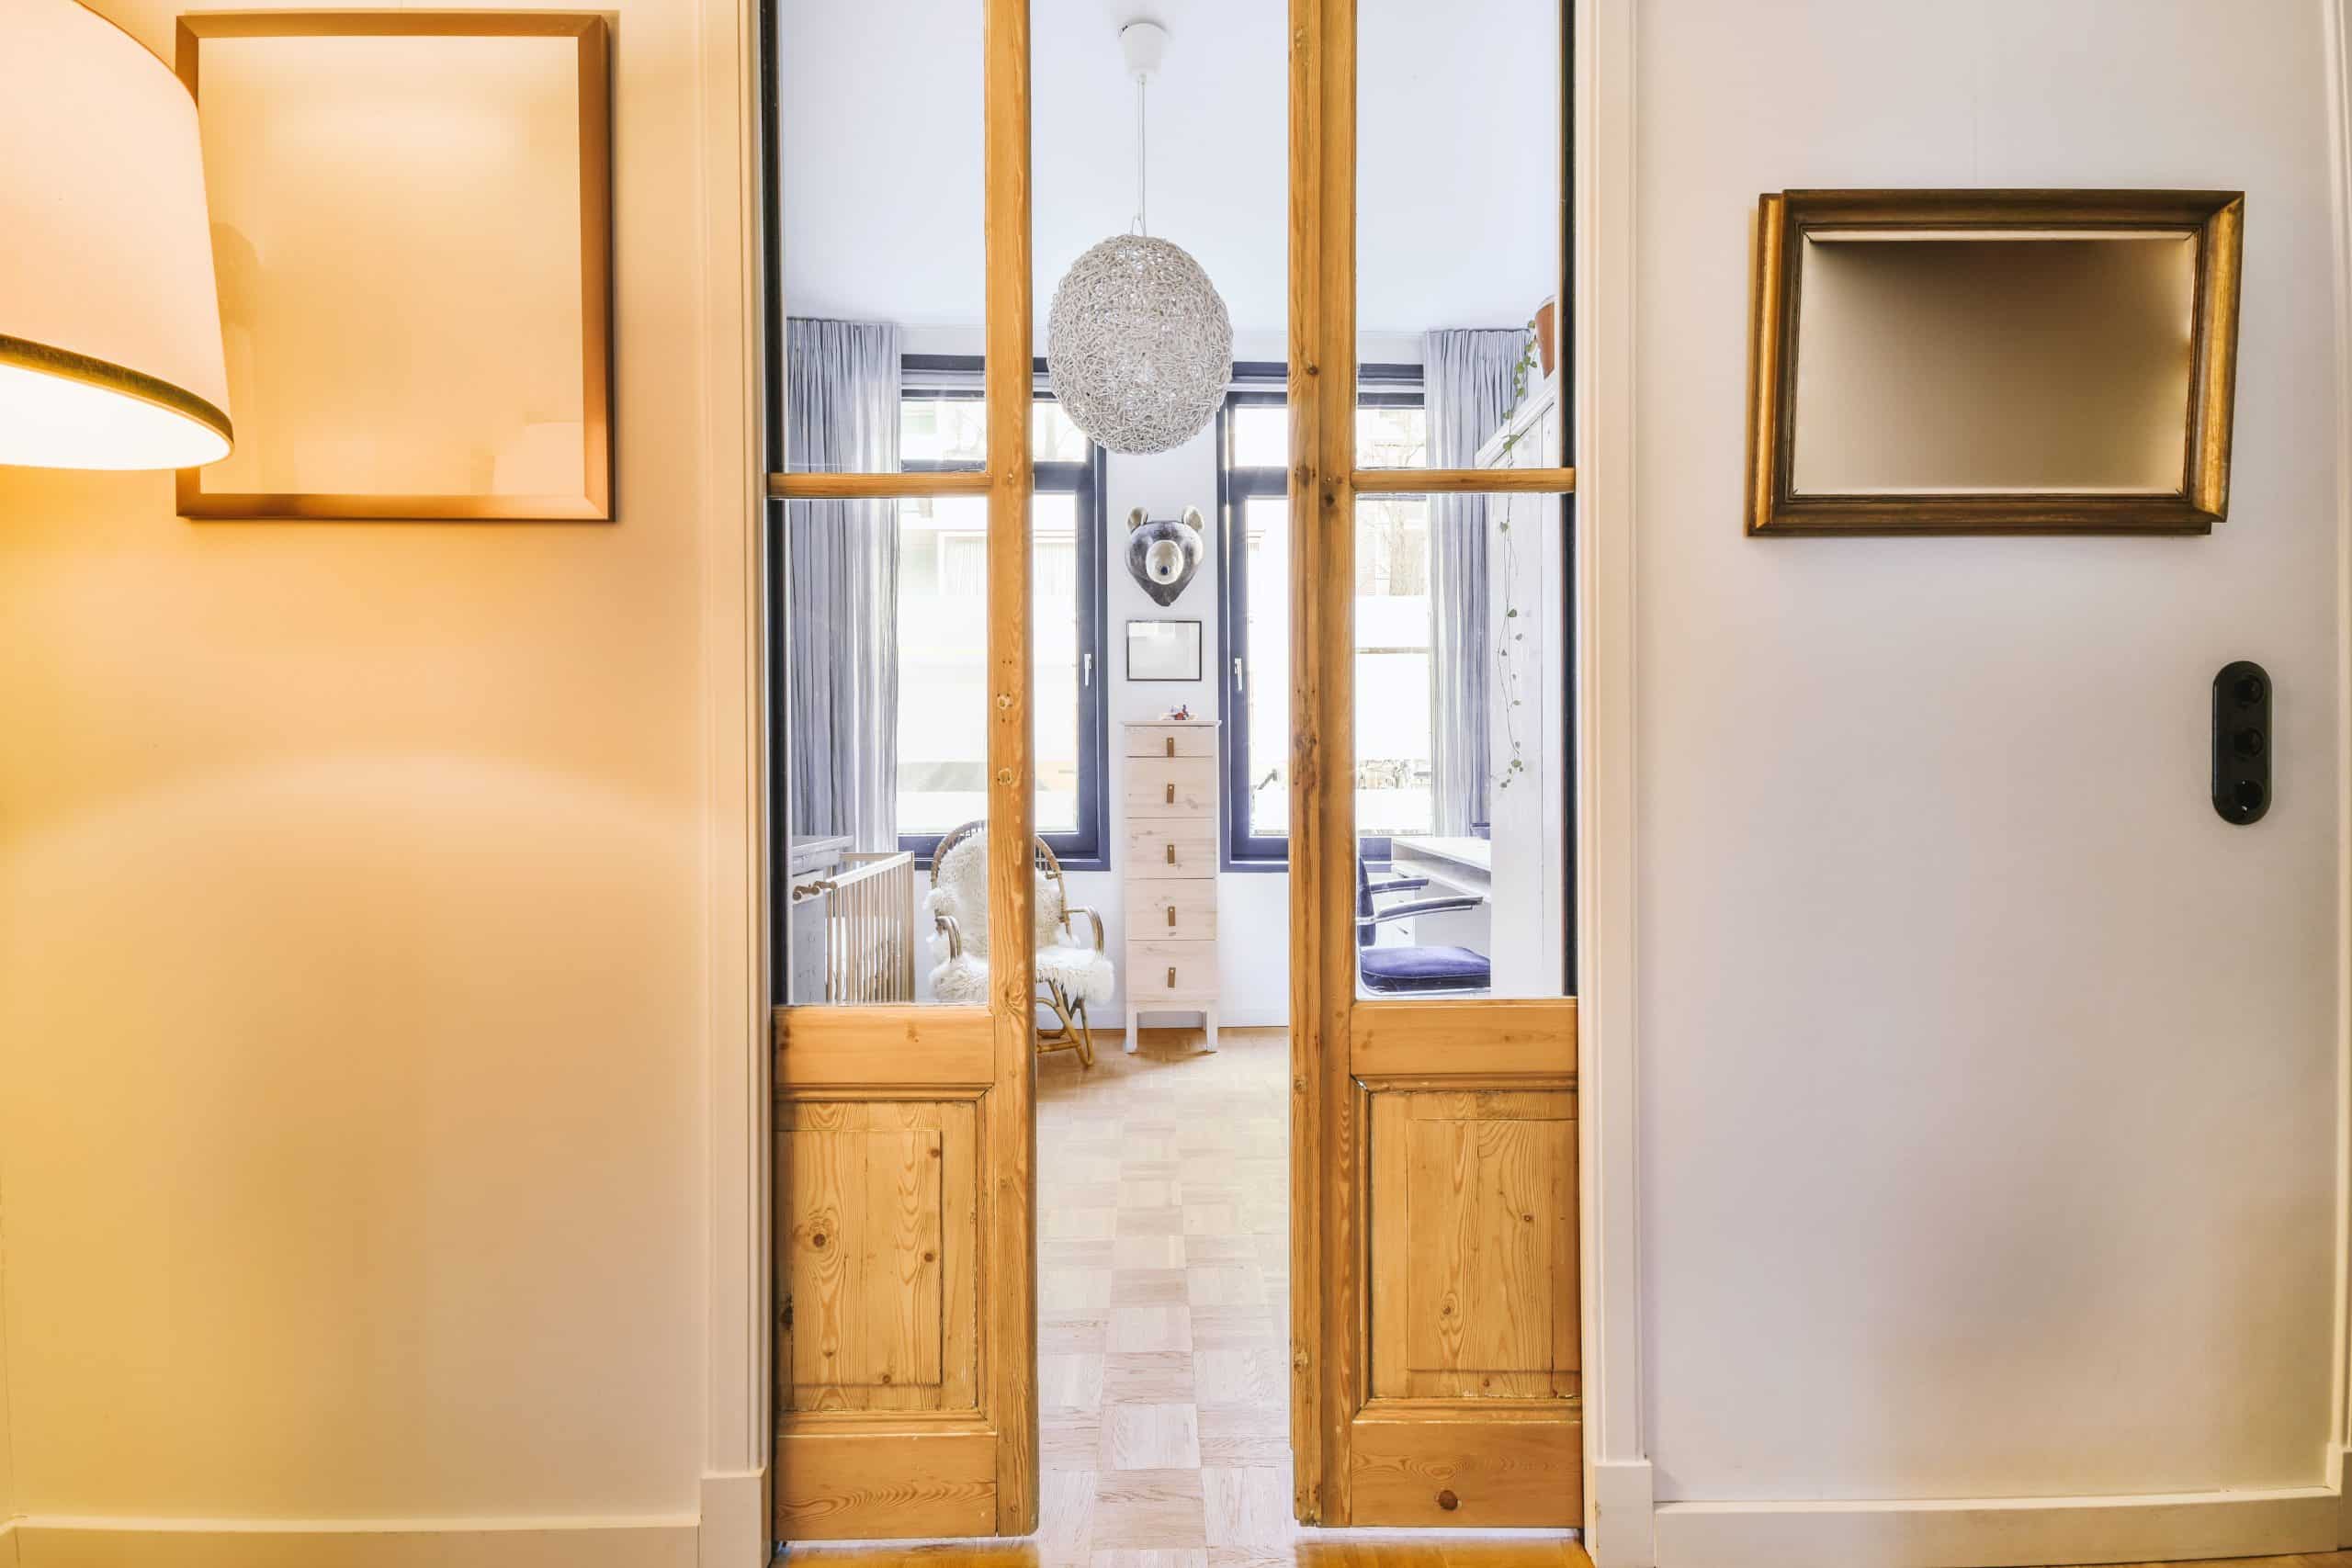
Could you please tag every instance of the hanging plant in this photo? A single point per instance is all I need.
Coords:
(1519, 375)
(1510, 654)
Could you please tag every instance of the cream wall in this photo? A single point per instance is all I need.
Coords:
(353, 1003)
(1989, 1085)
(354, 967)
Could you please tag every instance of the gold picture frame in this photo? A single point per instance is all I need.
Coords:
(2100, 399)
(532, 451)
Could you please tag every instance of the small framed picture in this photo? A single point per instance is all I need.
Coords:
(1163, 650)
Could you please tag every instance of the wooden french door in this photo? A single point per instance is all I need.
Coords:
(1434, 1365)
(906, 1365)
(1433, 1143)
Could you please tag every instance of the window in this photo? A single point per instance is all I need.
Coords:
(943, 588)
(1393, 734)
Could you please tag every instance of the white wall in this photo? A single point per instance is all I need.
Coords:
(1988, 1090)
(353, 968)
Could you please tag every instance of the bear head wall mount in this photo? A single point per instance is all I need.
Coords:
(1162, 556)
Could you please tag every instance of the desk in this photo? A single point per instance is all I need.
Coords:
(1464, 865)
(1457, 868)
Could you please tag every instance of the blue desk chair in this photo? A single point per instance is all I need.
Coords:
(1411, 970)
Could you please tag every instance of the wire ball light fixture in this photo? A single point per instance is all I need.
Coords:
(1138, 346)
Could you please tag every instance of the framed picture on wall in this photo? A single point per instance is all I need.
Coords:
(411, 217)
(1163, 650)
(1993, 361)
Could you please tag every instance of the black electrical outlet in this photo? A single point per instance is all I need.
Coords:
(2241, 742)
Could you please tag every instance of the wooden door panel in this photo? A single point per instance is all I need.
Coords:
(838, 1483)
(845, 1049)
(878, 1204)
(1472, 1245)
(1463, 1469)
(906, 1135)
(1433, 1229)
(1487, 1037)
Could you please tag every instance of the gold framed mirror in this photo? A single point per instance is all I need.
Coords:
(1993, 361)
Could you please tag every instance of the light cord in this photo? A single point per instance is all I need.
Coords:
(1142, 81)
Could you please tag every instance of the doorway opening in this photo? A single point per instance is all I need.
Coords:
(1199, 810)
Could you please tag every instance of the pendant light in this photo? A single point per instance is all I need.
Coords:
(1138, 346)
(110, 323)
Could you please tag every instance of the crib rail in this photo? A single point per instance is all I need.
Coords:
(869, 930)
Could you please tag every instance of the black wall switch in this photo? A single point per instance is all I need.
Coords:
(2241, 742)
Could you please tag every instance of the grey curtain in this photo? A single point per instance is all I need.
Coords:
(842, 583)
(1465, 380)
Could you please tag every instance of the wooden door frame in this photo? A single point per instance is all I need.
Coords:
(1337, 1042)
(1620, 1529)
(984, 1054)
(742, 1417)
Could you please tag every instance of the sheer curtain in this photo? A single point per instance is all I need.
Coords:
(1466, 384)
(842, 583)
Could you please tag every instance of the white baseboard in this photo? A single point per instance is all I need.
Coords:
(735, 1520)
(1621, 1531)
(1997, 1532)
(664, 1541)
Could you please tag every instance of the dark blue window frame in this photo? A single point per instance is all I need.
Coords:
(1087, 848)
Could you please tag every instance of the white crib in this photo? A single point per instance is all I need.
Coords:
(852, 937)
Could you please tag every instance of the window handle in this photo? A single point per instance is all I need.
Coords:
(1086, 669)
(1238, 684)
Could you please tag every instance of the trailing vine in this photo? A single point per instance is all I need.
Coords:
(1519, 377)
(1508, 651)
(1507, 662)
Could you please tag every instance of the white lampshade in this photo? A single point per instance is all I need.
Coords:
(110, 323)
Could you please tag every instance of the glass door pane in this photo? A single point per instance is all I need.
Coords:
(881, 248)
(1461, 219)
(884, 715)
(1462, 672)
(1266, 691)
(1054, 607)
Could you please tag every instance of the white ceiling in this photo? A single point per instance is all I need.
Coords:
(880, 104)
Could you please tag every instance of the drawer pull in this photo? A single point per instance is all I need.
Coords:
(1172, 976)
(1171, 745)
(1172, 854)
(1172, 917)
(1172, 795)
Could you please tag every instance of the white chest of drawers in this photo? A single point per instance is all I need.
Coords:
(1168, 827)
